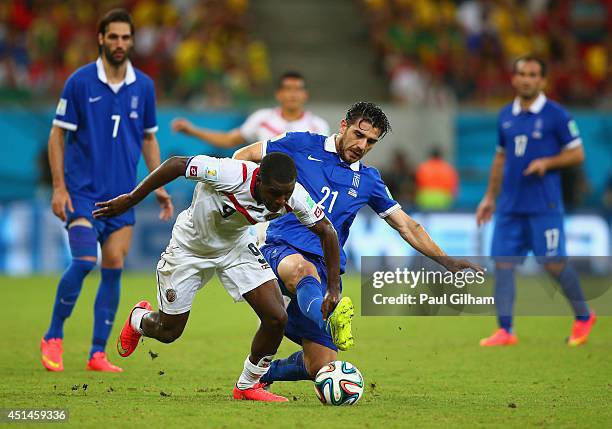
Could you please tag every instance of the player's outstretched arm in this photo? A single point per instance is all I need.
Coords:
(486, 208)
(151, 155)
(171, 169)
(251, 152)
(331, 252)
(415, 235)
(231, 138)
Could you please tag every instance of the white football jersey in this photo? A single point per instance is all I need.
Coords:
(224, 206)
(264, 124)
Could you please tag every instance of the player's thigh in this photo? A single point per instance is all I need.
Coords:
(83, 240)
(116, 246)
(293, 268)
(547, 236)
(267, 302)
(510, 236)
(316, 356)
(179, 276)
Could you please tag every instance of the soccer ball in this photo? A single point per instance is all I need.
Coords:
(339, 383)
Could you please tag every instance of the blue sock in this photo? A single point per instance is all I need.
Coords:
(310, 298)
(68, 291)
(105, 308)
(504, 297)
(289, 369)
(570, 284)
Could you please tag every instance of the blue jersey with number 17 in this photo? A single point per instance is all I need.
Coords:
(544, 130)
(341, 189)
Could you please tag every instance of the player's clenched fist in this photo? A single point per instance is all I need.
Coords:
(114, 207)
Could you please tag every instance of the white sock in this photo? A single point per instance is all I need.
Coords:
(136, 318)
(252, 373)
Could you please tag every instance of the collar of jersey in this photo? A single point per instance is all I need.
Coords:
(130, 74)
(330, 146)
(536, 107)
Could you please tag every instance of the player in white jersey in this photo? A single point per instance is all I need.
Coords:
(212, 236)
(264, 124)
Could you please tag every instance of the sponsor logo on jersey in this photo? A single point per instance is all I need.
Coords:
(352, 192)
(61, 107)
(311, 158)
(133, 114)
(356, 178)
(265, 266)
(193, 170)
(211, 174)
(171, 295)
(95, 99)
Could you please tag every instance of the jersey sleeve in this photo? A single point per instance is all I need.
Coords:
(223, 174)
(248, 130)
(381, 200)
(567, 131)
(67, 113)
(150, 113)
(304, 207)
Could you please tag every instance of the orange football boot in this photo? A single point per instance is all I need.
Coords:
(129, 337)
(501, 337)
(581, 330)
(52, 350)
(99, 362)
(257, 393)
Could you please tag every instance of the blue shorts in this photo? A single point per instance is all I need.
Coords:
(104, 227)
(517, 234)
(299, 326)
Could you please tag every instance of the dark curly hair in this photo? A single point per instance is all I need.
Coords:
(371, 113)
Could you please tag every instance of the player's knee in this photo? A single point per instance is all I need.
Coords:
(168, 336)
(83, 240)
(301, 269)
(276, 320)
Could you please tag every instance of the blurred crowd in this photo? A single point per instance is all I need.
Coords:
(441, 52)
(197, 51)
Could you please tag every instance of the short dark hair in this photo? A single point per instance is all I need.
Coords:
(115, 15)
(371, 113)
(291, 74)
(530, 58)
(279, 167)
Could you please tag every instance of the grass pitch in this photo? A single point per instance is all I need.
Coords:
(419, 371)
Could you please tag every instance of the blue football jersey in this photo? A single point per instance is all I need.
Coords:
(340, 189)
(543, 131)
(106, 130)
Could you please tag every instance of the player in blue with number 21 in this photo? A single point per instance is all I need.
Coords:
(104, 120)
(331, 169)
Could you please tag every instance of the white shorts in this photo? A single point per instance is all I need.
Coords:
(180, 274)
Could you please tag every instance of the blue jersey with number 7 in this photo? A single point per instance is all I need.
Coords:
(106, 130)
(341, 189)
